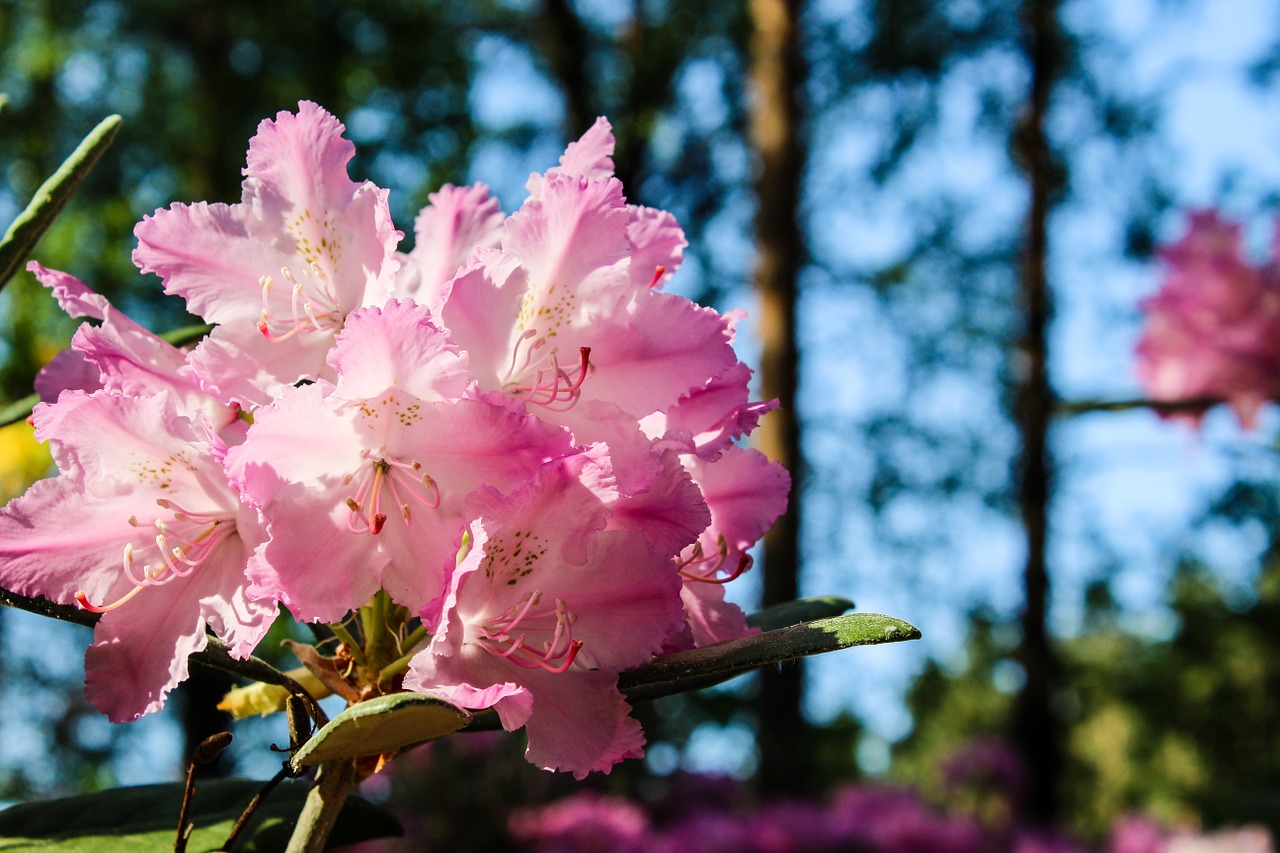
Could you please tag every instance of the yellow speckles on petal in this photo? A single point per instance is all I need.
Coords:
(545, 311)
(159, 473)
(313, 251)
(390, 409)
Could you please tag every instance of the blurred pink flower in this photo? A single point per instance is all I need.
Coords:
(1213, 329)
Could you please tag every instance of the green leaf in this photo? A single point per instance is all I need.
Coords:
(380, 725)
(145, 819)
(29, 227)
(801, 610)
(698, 668)
(18, 410)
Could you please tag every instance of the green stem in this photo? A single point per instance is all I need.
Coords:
(334, 783)
(374, 615)
(409, 648)
(344, 636)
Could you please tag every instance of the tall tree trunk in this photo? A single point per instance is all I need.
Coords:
(1037, 733)
(777, 75)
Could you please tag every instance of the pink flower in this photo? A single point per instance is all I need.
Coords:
(1213, 330)
(364, 484)
(542, 614)
(280, 271)
(557, 317)
(142, 527)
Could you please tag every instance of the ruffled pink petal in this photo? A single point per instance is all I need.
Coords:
(573, 245)
(448, 231)
(746, 493)
(657, 246)
(580, 723)
(711, 618)
(205, 255)
(110, 444)
(396, 346)
(670, 513)
(251, 371)
(483, 304)
(654, 350)
(134, 663)
(591, 156)
(73, 295)
(55, 542)
(708, 420)
(296, 174)
(67, 371)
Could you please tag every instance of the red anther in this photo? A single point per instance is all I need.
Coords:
(658, 273)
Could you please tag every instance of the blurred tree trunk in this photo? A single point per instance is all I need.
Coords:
(1037, 733)
(776, 131)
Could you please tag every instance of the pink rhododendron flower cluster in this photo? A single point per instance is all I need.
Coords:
(512, 430)
(1213, 329)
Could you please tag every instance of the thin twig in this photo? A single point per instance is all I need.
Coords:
(253, 805)
(1193, 405)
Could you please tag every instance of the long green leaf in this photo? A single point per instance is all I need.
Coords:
(52, 196)
(697, 668)
(801, 610)
(384, 724)
(145, 818)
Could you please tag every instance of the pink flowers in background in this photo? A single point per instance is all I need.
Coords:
(511, 430)
(1213, 329)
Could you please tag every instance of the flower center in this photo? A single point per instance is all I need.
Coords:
(184, 542)
(537, 375)
(379, 474)
(313, 305)
(498, 636)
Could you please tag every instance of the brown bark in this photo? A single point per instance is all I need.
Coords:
(1036, 730)
(777, 76)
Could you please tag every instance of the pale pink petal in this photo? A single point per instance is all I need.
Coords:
(73, 295)
(484, 302)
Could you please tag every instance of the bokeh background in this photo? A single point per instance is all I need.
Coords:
(939, 215)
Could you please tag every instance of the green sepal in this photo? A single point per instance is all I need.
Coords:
(47, 203)
(144, 819)
(383, 724)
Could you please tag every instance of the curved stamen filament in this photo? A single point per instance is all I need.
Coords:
(313, 305)
(365, 505)
(702, 568)
(179, 551)
(552, 385)
(497, 635)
